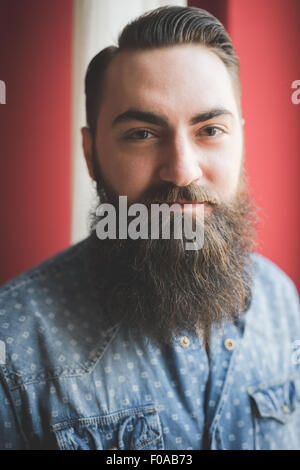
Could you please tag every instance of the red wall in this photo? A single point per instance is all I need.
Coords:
(218, 8)
(35, 63)
(267, 39)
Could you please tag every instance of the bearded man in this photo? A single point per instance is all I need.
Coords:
(136, 343)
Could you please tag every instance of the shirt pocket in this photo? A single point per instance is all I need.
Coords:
(130, 429)
(276, 415)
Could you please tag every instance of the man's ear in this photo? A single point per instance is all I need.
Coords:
(87, 145)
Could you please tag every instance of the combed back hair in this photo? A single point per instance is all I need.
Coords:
(162, 27)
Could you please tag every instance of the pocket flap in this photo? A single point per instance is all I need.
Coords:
(277, 400)
(129, 429)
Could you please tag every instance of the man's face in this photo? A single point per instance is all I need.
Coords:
(169, 115)
(169, 129)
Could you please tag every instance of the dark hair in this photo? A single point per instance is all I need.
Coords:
(162, 27)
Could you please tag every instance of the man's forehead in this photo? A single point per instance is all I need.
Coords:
(168, 54)
(168, 78)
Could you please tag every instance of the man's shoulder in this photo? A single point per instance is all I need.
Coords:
(275, 299)
(47, 268)
(51, 324)
(269, 274)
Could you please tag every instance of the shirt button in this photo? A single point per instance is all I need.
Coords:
(285, 409)
(112, 448)
(184, 341)
(229, 344)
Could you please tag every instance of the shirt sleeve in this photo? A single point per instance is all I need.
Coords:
(10, 435)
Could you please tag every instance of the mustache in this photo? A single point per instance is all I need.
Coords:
(172, 194)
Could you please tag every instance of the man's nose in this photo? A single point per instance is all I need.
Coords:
(181, 164)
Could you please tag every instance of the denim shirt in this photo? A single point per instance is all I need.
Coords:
(70, 379)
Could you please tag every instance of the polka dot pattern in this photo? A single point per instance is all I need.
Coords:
(70, 379)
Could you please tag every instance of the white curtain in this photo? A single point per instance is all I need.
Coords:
(96, 24)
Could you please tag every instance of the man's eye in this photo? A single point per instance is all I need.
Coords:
(211, 131)
(139, 135)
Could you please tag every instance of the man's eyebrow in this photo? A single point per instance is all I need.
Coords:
(138, 115)
(202, 117)
(152, 118)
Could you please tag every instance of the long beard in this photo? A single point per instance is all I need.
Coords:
(162, 290)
